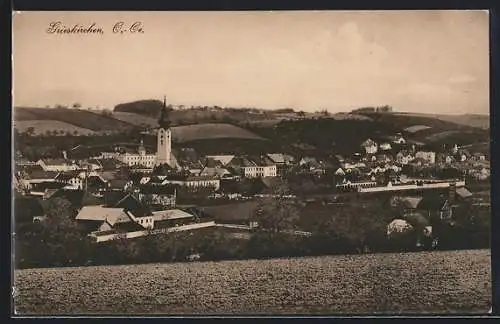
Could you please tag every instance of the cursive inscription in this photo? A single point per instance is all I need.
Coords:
(121, 27)
(57, 27)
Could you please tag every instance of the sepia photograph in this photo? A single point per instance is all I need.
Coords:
(251, 163)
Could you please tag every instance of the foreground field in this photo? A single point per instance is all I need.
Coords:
(428, 282)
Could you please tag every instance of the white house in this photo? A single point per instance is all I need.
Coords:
(195, 182)
(385, 146)
(404, 158)
(260, 171)
(399, 140)
(369, 146)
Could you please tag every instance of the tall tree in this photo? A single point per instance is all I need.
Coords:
(275, 212)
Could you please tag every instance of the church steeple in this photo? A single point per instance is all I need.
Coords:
(164, 121)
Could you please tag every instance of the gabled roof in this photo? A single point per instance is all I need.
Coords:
(224, 159)
(411, 202)
(212, 163)
(133, 205)
(463, 192)
(100, 213)
(432, 202)
(65, 176)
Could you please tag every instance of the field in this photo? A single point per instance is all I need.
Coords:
(42, 126)
(426, 282)
(80, 118)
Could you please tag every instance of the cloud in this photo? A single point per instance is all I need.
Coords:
(461, 78)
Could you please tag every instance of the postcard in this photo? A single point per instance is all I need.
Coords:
(238, 163)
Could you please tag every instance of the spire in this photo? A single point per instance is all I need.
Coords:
(164, 122)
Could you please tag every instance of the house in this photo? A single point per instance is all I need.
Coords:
(39, 181)
(106, 219)
(217, 172)
(71, 178)
(479, 157)
(281, 159)
(254, 167)
(410, 204)
(385, 146)
(193, 181)
(141, 157)
(427, 156)
(171, 217)
(369, 146)
(398, 140)
(435, 206)
(57, 165)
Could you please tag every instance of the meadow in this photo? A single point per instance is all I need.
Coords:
(424, 282)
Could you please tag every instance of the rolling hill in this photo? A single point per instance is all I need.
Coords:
(188, 133)
(341, 133)
(430, 129)
(83, 119)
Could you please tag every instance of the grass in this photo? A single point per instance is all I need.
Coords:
(425, 282)
(42, 126)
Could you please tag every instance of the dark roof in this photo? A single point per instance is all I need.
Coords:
(132, 204)
(42, 186)
(43, 174)
(110, 164)
(77, 198)
(212, 163)
(65, 176)
(118, 183)
(432, 202)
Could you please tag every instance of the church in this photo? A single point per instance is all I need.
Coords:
(163, 148)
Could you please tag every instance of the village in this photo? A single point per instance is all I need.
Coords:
(128, 193)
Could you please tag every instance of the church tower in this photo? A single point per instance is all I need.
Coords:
(164, 144)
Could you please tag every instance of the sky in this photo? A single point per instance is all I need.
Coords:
(415, 61)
